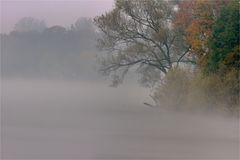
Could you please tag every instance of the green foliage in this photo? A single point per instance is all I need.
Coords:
(225, 36)
(156, 37)
(232, 60)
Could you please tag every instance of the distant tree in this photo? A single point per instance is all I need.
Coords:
(83, 24)
(140, 33)
(55, 52)
(29, 24)
(55, 30)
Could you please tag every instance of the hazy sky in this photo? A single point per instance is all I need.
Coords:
(54, 12)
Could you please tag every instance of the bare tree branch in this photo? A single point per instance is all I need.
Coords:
(140, 32)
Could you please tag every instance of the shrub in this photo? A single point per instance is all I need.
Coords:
(172, 91)
(183, 90)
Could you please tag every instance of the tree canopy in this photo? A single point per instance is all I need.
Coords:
(157, 35)
(29, 24)
(224, 43)
(140, 33)
(196, 19)
(54, 52)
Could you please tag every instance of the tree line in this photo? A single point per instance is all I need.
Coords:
(187, 50)
(35, 50)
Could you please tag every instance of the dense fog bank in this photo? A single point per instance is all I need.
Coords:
(49, 52)
(84, 120)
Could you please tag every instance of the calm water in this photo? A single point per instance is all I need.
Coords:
(84, 120)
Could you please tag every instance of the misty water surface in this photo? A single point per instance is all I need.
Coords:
(89, 120)
(69, 112)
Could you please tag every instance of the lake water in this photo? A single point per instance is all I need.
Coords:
(88, 120)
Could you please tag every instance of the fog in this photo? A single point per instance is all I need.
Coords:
(84, 120)
(55, 105)
(54, 12)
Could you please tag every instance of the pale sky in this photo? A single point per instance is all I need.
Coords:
(54, 12)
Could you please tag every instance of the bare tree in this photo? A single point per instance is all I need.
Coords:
(140, 33)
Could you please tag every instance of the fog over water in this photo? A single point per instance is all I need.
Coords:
(89, 120)
(54, 104)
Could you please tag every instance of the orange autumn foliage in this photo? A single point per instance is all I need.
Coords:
(196, 19)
